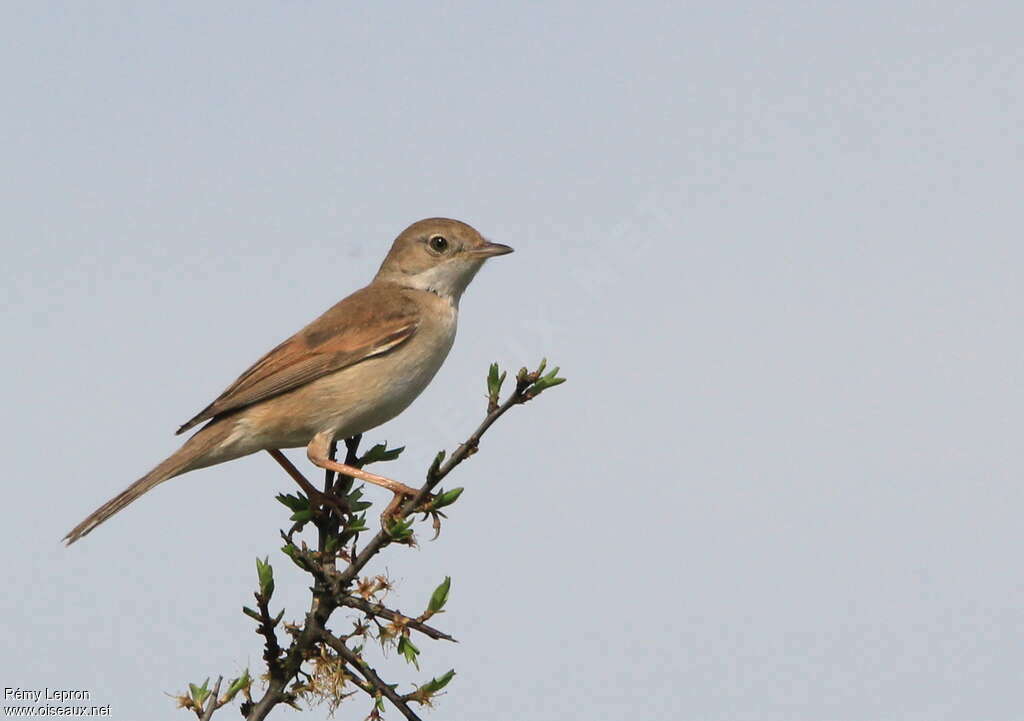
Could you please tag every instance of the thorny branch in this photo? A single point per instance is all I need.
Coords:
(370, 675)
(318, 665)
(376, 609)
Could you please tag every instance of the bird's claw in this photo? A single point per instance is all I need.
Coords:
(392, 511)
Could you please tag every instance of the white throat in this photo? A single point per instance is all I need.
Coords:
(447, 280)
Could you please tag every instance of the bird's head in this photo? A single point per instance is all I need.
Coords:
(439, 255)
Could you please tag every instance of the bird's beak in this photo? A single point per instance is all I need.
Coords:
(489, 250)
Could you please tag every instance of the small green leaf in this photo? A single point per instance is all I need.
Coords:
(251, 613)
(545, 382)
(436, 684)
(292, 552)
(400, 529)
(380, 453)
(447, 498)
(354, 503)
(436, 465)
(440, 596)
(243, 681)
(302, 516)
(266, 575)
(393, 454)
(296, 503)
(199, 693)
(409, 651)
(494, 381)
(357, 524)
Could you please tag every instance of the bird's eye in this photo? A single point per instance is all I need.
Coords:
(438, 243)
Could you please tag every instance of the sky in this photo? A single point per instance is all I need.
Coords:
(774, 247)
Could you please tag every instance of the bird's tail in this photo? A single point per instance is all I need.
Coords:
(190, 456)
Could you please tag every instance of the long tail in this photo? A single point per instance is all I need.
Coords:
(189, 457)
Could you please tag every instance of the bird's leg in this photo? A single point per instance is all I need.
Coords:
(315, 496)
(317, 452)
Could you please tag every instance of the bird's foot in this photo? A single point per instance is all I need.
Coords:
(392, 512)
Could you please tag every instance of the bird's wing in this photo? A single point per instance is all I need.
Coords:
(355, 329)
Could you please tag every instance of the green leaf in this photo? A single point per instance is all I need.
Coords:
(436, 684)
(545, 382)
(380, 453)
(292, 552)
(296, 503)
(494, 381)
(199, 693)
(436, 465)
(266, 575)
(251, 613)
(440, 596)
(357, 524)
(409, 651)
(447, 498)
(400, 529)
(393, 454)
(354, 503)
(238, 684)
(302, 516)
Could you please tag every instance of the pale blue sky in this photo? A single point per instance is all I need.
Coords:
(775, 247)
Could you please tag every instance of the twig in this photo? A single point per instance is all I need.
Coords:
(271, 647)
(376, 609)
(332, 589)
(369, 674)
(434, 477)
(304, 641)
(213, 705)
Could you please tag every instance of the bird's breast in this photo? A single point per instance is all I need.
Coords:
(378, 389)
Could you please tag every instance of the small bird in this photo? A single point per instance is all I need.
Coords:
(355, 367)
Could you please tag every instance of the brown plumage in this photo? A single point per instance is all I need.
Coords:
(349, 332)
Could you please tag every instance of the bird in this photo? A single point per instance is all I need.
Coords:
(355, 367)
